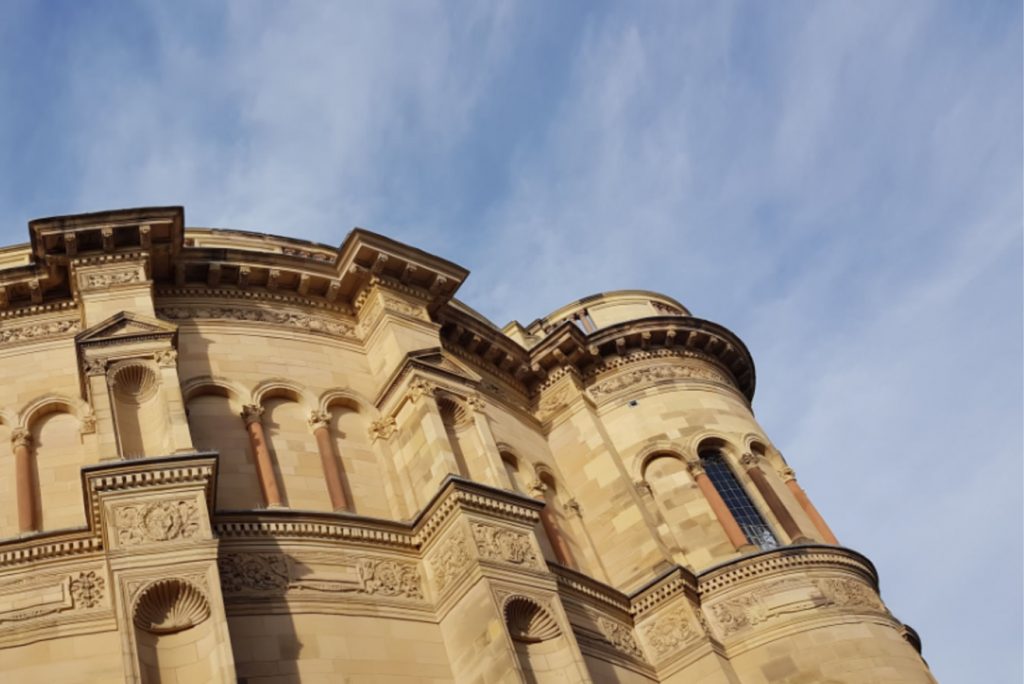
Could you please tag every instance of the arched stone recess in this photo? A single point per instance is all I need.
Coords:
(367, 481)
(140, 408)
(296, 459)
(516, 469)
(175, 638)
(560, 530)
(665, 475)
(51, 432)
(213, 406)
(8, 476)
(543, 652)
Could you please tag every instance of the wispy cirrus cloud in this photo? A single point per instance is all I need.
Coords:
(840, 183)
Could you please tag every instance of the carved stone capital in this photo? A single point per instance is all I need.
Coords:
(87, 424)
(384, 428)
(252, 413)
(20, 437)
(573, 506)
(643, 487)
(696, 468)
(420, 388)
(318, 420)
(476, 404)
(167, 358)
(787, 474)
(95, 366)
(537, 488)
(750, 460)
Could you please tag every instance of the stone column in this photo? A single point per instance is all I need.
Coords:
(21, 443)
(318, 423)
(725, 518)
(563, 554)
(252, 414)
(178, 430)
(789, 477)
(750, 463)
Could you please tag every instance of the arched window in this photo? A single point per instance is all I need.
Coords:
(740, 505)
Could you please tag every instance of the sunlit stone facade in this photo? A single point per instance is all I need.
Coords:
(238, 457)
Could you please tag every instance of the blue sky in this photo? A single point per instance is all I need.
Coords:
(837, 182)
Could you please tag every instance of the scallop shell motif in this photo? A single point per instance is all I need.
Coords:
(135, 382)
(528, 622)
(170, 605)
(453, 412)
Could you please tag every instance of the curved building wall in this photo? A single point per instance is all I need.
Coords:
(236, 457)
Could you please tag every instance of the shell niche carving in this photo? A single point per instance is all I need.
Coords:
(170, 605)
(528, 622)
(135, 382)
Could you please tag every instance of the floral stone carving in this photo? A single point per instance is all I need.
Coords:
(264, 572)
(669, 633)
(87, 589)
(498, 543)
(389, 578)
(653, 374)
(619, 636)
(450, 559)
(159, 521)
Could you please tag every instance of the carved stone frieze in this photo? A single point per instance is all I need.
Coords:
(780, 598)
(389, 578)
(403, 307)
(503, 544)
(654, 374)
(669, 632)
(105, 279)
(553, 402)
(297, 320)
(620, 636)
(36, 331)
(260, 572)
(158, 521)
(450, 559)
(274, 574)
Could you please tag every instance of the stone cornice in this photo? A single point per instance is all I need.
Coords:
(456, 492)
(788, 557)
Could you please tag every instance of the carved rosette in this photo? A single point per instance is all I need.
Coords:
(505, 545)
(159, 521)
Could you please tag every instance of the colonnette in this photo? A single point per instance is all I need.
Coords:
(239, 457)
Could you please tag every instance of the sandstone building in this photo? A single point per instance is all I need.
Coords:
(239, 457)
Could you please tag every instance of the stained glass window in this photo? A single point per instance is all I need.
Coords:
(740, 505)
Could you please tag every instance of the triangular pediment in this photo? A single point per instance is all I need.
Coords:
(126, 326)
(436, 359)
